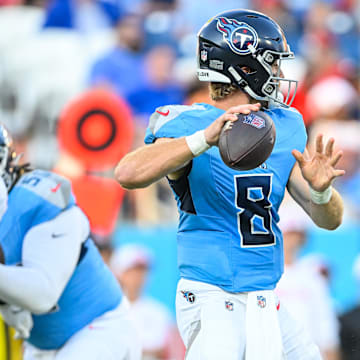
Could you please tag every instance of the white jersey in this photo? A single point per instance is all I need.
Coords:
(152, 321)
(304, 292)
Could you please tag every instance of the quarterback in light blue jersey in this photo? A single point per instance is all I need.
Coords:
(55, 290)
(230, 250)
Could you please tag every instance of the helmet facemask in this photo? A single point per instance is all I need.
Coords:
(271, 89)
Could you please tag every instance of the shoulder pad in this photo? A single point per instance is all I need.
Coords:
(49, 186)
(164, 114)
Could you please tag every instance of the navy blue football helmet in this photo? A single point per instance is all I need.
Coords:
(241, 47)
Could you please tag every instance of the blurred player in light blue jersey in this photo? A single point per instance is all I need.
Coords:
(230, 250)
(55, 290)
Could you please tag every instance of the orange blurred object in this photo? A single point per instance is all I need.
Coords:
(97, 129)
(100, 199)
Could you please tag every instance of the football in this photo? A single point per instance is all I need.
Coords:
(2, 257)
(246, 143)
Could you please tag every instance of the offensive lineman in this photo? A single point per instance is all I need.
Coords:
(55, 290)
(230, 250)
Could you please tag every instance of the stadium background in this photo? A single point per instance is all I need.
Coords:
(53, 52)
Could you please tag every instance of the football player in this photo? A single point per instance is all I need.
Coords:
(54, 287)
(230, 250)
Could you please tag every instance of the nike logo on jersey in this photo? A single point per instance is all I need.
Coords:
(163, 113)
(54, 236)
(56, 188)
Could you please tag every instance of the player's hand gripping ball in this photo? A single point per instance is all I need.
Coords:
(246, 143)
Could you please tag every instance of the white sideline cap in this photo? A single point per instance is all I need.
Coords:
(128, 256)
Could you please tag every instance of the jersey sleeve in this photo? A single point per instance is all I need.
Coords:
(172, 121)
(298, 133)
(290, 125)
(38, 196)
(47, 193)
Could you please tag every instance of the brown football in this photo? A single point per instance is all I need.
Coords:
(2, 257)
(246, 143)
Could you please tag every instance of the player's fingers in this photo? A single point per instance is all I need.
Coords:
(299, 157)
(319, 144)
(334, 160)
(228, 117)
(245, 108)
(339, 173)
(242, 109)
(329, 149)
(255, 107)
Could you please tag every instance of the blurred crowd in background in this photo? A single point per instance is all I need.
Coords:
(144, 52)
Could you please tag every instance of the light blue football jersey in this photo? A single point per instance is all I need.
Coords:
(92, 290)
(228, 233)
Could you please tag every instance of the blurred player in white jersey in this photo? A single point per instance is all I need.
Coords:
(230, 252)
(54, 287)
(130, 264)
(302, 288)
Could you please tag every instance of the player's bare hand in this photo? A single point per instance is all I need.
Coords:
(319, 170)
(212, 132)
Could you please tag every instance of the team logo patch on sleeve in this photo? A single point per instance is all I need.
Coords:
(254, 121)
(238, 35)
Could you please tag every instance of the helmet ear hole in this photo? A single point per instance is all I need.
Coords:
(247, 70)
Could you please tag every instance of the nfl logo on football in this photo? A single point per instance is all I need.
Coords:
(261, 301)
(254, 121)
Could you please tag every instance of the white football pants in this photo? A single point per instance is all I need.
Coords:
(214, 325)
(109, 337)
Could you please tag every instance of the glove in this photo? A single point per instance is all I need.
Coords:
(18, 318)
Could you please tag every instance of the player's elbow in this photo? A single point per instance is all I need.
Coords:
(334, 224)
(330, 224)
(44, 298)
(125, 175)
(43, 305)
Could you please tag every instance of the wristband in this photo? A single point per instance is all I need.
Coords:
(197, 143)
(320, 197)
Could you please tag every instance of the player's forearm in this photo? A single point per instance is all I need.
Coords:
(328, 216)
(28, 288)
(150, 163)
(50, 253)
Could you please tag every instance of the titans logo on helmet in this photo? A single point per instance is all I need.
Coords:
(238, 35)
